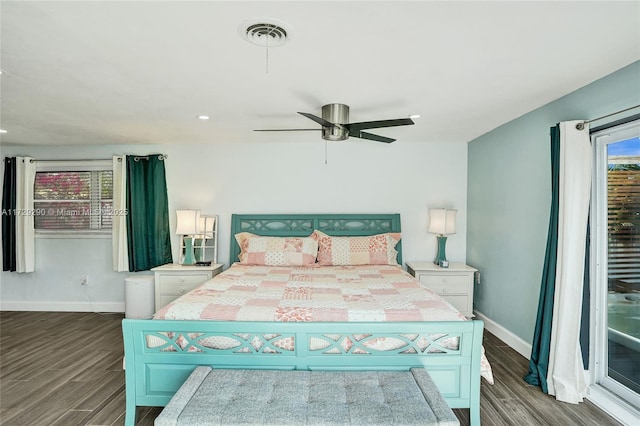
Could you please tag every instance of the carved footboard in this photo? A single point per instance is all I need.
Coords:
(160, 355)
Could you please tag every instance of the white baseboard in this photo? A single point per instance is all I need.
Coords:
(18, 305)
(515, 342)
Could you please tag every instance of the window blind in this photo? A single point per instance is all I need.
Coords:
(73, 200)
(624, 225)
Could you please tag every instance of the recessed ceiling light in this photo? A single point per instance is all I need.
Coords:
(204, 117)
(414, 116)
(3, 131)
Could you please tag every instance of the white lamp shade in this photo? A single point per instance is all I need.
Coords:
(206, 226)
(188, 222)
(442, 221)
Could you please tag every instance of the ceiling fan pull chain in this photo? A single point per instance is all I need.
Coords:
(325, 153)
(266, 47)
(266, 57)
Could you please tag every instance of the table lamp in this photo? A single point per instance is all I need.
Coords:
(187, 227)
(442, 222)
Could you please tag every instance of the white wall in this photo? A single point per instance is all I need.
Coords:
(225, 178)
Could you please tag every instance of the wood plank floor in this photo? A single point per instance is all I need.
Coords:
(74, 376)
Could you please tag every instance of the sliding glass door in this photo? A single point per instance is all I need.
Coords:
(616, 261)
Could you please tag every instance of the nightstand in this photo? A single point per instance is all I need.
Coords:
(172, 281)
(454, 284)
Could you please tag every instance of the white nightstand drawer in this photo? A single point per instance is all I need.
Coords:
(172, 281)
(460, 302)
(178, 280)
(453, 284)
(178, 288)
(446, 283)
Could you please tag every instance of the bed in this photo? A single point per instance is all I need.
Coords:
(161, 353)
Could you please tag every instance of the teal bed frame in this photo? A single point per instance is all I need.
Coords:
(160, 354)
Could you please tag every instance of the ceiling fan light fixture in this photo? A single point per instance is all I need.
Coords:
(337, 114)
(265, 32)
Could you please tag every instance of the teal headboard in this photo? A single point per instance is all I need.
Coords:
(302, 225)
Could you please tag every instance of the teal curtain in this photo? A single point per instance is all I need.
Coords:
(539, 361)
(148, 234)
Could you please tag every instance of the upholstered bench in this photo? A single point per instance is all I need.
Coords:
(280, 397)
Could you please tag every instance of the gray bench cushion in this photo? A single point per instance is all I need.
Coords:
(230, 397)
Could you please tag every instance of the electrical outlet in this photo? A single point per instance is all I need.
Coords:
(478, 277)
(84, 280)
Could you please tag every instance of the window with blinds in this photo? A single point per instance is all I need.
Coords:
(623, 223)
(76, 201)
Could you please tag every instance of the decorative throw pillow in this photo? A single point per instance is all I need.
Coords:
(276, 251)
(370, 250)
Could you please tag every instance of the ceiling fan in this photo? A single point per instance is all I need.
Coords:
(336, 127)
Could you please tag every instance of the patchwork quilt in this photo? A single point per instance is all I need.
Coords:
(363, 293)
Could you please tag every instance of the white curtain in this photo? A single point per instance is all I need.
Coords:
(119, 231)
(25, 228)
(565, 376)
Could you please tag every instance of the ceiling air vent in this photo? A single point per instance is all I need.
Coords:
(265, 32)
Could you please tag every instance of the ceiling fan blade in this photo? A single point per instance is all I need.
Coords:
(284, 130)
(371, 137)
(377, 124)
(320, 121)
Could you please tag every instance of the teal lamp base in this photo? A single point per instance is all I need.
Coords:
(189, 256)
(441, 257)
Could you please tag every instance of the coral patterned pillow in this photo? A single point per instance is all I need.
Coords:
(371, 250)
(276, 251)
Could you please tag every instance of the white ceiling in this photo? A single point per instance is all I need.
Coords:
(117, 72)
